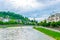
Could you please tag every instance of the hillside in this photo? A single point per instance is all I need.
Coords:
(11, 15)
(16, 18)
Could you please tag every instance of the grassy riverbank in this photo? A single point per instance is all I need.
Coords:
(51, 33)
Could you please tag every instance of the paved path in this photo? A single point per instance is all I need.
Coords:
(25, 33)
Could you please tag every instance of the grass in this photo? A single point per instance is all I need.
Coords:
(51, 33)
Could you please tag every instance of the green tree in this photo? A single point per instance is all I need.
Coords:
(54, 24)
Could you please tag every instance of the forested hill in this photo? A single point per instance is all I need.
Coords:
(16, 18)
(12, 15)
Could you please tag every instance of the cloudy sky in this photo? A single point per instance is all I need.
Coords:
(39, 9)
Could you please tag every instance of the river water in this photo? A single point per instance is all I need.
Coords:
(25, 33)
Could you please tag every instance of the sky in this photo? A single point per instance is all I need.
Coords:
(38, 9)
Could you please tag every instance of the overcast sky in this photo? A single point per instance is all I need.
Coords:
(39, 9)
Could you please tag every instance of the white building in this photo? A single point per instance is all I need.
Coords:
(55, 17)
(1, 18)
(5, 20)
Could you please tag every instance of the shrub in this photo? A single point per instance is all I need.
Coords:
(49, 24)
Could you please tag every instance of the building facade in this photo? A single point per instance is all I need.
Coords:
(55, 17)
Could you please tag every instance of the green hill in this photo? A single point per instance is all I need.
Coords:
(14, 17)
(11, 15)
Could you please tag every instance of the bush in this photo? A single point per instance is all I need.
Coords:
(58, 23)
(49, 24)
(54, 24)
(1, 22)
(43, 23)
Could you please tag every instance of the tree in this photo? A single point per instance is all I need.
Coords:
(54, 24)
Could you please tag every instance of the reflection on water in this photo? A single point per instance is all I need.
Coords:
(27, 33)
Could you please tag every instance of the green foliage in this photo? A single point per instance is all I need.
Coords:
(11, 15)
(58, 23)
(16, 18)
(1, 22)
(49, 24)
(43, 23)
(51, 33)
(33, 22)
(53, 24)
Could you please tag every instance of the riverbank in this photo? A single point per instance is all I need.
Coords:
(51, 33)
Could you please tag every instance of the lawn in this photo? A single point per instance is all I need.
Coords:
(51, 33)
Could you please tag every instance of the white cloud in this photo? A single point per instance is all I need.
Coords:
(25, 4)
(52, 2)
(31, 18)
(37, 19)
(40, 18)
(48, 3)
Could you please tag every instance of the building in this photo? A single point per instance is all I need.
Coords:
(55, 17)
(1, 18)
(4, 19)
(18, 20)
